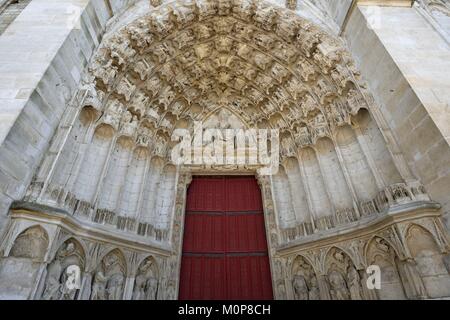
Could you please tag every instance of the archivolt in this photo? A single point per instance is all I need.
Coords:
(188, 59)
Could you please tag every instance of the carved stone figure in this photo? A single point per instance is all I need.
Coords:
(112, 115)
(129, 124)
(146, 285)
(339, 290)
(52, 283)
(114, 287)
(56, 282)
(99, 287)
(67, 292)
(291, 4)
(314, 292)
(354, 283)
(151, 287)
(300, 288)
(109, 279)
(139, 287)
(249, 64)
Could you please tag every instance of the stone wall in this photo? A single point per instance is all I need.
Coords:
(43, 54)
(408, 74)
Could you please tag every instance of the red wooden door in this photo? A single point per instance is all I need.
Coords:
(225, 254)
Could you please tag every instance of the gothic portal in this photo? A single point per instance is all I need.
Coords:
(87, 182)
(225, 254)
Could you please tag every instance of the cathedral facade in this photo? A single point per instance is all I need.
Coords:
(94, 207)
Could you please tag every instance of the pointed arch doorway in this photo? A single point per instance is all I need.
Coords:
(225, 253)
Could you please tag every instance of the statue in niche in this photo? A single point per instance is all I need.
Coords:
(52, 284)
(307, 105)
(57, 277)
(319, 126)
(105, 71)
(129, 124)
(109, 279)
(143, 67)
(153, 85)
(113, 113)
(355, 101)
(177, 108)
(170, 292)
(67, 293)
(302, 136)
(155, 3)
(99, 287)
(140, 102)
(143, 136)
(314, 292)
(288, 147)
(282, 291)
(160, 146)
(114, 287)
(152, 288)
(126, 88)
(146, 284)
(279, 269)
(354, 283)
(339, 289)
(300, 288)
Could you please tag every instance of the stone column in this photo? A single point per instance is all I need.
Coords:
(289, 289)
(38, 288)
(307, 191)
(128, 289)
(381, 184)
(85, 290)
(101, 182)
(348, 179)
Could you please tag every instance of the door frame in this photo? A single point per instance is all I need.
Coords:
(184, 179)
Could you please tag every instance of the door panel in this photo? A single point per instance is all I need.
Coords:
(205, 278)
(205, 233)
(225, 252)
(245, 233)
(242, 194)
(247, 278)
(206, 195)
